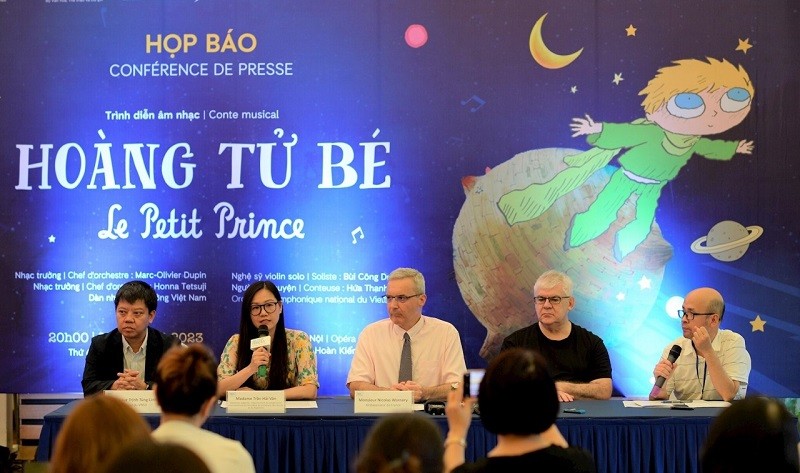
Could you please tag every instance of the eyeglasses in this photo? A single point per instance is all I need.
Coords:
(400, 299)
(554, 300)
(691, 315)
(268, 307)
(137, 314)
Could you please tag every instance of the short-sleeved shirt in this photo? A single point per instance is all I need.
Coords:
(301, 361)
(436, 354)
(690, 375)
(581, 357)
(220, 454)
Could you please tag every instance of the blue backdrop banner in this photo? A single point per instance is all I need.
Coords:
(204, 145)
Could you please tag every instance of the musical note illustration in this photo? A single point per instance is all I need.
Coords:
(358, 230)
(477, 100)
(456, 141)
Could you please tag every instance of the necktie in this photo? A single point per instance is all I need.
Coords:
(405, 360)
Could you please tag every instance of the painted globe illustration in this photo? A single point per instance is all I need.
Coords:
(497, 264)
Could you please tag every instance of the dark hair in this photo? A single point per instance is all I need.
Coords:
(754, 434)
(94, 431)
(186, 377)
(519, 378)
(152, 456)
(278, 372)
(133, 291)
(409, 443)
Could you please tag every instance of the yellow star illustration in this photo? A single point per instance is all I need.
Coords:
(758, 324)
(631, 30)
(617, 78)
(744, 45)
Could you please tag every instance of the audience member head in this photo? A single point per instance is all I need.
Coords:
(185, 380)
(754, 434)
(95, 430)
(148, 456)
(518, 378)
(262, 305)
(407, 443)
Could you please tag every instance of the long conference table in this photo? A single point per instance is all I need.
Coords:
(328, 438)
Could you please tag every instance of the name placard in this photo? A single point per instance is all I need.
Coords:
(380, 402)
(142, 401)
(256, 402)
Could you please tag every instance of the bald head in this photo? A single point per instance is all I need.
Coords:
(707, 299)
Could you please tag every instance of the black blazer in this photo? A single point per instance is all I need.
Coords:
(105, 359)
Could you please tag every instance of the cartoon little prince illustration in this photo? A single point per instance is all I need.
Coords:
(683, 103)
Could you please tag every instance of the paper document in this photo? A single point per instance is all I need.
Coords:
(301, 404)
(289, 404)
(668, 404)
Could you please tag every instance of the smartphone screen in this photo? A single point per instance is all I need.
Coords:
(472, 382)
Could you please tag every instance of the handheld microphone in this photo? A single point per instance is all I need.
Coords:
(263, 340)
(674, 353)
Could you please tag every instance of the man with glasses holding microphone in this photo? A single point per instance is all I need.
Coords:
(577, 359)
(712, 364)
(408, 351)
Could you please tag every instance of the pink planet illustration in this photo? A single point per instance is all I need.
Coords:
(416, 36)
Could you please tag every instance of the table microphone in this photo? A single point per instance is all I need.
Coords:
(263, 340)
(674, 353)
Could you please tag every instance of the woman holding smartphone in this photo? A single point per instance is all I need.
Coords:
(527, 437)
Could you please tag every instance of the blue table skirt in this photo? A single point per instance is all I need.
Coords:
(328, 439)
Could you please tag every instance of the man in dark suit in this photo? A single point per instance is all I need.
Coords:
(126, 357)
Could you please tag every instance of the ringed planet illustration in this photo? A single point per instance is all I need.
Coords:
(727, 240)
(543, 55)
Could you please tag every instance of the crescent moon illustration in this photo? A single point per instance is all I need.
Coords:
(542, 53)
